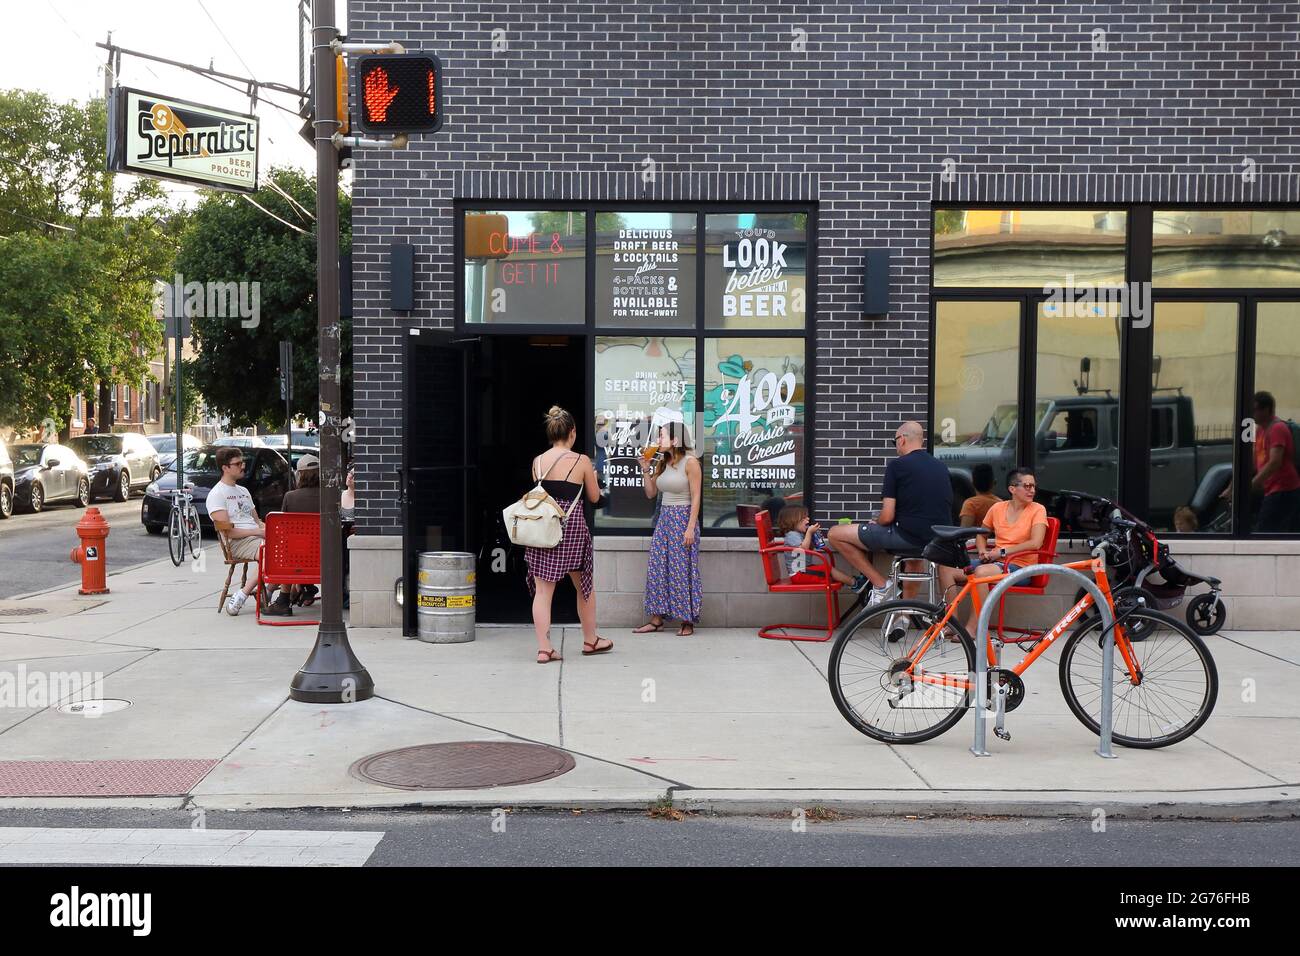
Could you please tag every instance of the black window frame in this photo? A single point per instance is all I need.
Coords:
(1136, 351)
(588, 330)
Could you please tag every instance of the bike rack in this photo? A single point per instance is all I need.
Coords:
(982, 655)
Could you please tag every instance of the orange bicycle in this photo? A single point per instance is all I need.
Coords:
(904, 671)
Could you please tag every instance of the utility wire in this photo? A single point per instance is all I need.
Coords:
(251, 202)
(228, 43)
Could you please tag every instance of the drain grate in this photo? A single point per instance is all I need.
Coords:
(22, 611)
(464, 765)
(101, 778)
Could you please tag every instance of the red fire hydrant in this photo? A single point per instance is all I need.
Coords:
(90, 554)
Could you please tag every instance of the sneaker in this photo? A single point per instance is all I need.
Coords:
(235, 602)
(878, 596)
(859, 584)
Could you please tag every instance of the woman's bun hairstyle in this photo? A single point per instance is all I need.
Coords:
(558, 424)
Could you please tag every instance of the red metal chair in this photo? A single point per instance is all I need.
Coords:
(770, 553)
(1035, 585)
(290, 555)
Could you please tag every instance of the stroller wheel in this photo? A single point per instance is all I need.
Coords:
(1206, 614)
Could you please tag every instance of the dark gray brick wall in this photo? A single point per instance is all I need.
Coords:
(860, 120)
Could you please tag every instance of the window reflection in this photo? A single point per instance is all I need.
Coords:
(1273, 508)
(1225, 249)
(1028, 248)
(525, 266)
(1194, 386)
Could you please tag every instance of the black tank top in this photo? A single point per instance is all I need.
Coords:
(563, 488)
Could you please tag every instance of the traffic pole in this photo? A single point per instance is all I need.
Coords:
(332, 673)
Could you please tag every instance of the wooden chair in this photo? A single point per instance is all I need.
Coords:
(223, 528)
(769, 552)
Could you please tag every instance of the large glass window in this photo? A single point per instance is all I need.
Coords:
(1077, 374)
(976, 362)
(1028, 248)
(1194, 388)
(525, 266)
(753, 418)
(645, 269)
(756, 268)
(641, 383)
(1225, 249)
(1277, 358)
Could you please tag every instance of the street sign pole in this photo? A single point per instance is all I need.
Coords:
(286, 393)
(332, 673)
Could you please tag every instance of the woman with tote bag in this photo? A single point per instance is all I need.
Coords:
(565, 475)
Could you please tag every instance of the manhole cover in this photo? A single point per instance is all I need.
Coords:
(468, 765)
(21, 611)
(94, 708)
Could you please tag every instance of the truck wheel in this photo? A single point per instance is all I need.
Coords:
(1206, 614)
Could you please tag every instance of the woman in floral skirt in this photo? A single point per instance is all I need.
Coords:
(672, 585)
(564, 475)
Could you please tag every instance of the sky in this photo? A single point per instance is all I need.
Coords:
(260, 40)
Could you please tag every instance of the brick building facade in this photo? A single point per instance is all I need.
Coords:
(869, 116)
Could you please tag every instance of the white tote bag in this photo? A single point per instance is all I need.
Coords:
(536, 520)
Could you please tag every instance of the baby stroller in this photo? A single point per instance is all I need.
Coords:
(1148, 570)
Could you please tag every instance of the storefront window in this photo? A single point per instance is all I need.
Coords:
(1077, 388)
(1194, 387)
(641, 383)
(753, 422)
(756, 268)
(525, 266)
(1277, 356)
(1225, 249)
(1028, 248)
(645, 269)
(976, 373)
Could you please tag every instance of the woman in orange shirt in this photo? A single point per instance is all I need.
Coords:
(1018, 525)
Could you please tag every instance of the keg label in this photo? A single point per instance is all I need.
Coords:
(442, 600)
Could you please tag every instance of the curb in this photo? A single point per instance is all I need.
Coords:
(74, 585)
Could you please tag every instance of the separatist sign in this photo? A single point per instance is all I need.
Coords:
(167, 138)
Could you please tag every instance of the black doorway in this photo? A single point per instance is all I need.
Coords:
(519, 378)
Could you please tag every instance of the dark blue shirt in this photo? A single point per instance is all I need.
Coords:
(922, 493)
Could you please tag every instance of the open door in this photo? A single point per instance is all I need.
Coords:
(439, 478)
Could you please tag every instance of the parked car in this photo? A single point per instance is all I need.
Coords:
(266, 476)
(119, 464)
(241, 441)
(6, 482)
(301, 439)
(44, 474)
(165, 446)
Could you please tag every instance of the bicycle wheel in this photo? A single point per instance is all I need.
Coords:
(1178, 687)
(175, 540)
(193, 530)
(869, 680)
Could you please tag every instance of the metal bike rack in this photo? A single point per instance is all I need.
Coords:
(982, 654)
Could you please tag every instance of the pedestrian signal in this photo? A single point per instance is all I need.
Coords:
(398, 93)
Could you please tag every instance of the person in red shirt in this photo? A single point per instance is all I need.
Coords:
(1275, 472)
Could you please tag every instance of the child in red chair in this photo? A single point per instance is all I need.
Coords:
(796, 532)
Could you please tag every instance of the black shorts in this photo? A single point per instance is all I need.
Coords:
(886, 537)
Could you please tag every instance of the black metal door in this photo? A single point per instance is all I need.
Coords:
(439, 454)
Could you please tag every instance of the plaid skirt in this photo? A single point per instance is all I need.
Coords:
(573, 553)
(672, 579)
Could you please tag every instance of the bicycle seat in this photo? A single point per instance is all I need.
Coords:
(944, 532)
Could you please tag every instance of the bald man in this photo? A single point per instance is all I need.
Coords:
(917, 494)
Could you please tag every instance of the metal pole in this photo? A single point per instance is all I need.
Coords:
(176, 409)
(332, 673)
(981, 651)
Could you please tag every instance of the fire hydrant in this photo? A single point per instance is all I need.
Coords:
(90, 554)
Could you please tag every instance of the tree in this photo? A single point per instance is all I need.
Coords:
(78, 259)
(228, 239)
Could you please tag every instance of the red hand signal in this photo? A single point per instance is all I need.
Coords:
(378, 95)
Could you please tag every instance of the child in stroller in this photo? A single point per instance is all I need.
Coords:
(1148, 571)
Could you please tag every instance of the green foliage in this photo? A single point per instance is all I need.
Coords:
(230, 240)
(78, 259)
(948, 221)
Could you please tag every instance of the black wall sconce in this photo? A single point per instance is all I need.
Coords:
(401, 276)
(875, 282)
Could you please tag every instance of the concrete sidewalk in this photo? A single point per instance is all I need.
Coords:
(722, 721)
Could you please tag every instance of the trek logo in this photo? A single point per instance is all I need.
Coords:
(103, 909)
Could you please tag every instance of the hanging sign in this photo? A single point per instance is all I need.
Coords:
(167, 138)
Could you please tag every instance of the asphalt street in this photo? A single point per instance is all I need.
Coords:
(548, 838)
(34, 548)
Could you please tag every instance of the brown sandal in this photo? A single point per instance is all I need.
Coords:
(551, 655)
(596, 648)
(649, 627)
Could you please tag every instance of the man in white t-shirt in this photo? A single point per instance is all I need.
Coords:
(230, 501)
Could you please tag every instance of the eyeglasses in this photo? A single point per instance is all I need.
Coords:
(1025, 485)
(898, 438)
(236, 464)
